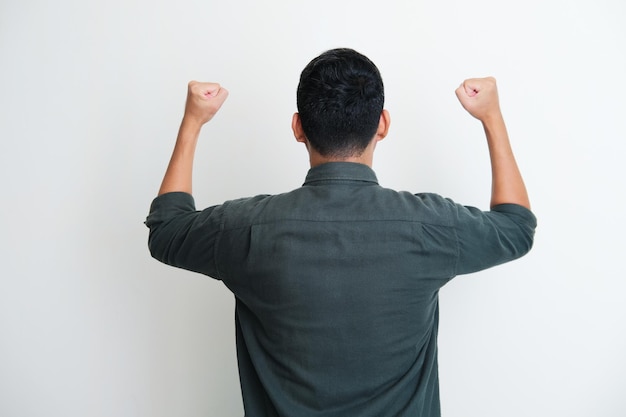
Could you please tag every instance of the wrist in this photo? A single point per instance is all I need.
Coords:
(492, 118)
(494, 126)
(191, 124)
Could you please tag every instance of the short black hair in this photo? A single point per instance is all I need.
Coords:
(340, 99)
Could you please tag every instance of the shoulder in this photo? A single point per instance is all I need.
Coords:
(431, 207)
(245, 211)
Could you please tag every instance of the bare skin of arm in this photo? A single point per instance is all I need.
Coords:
(203, 101)
(479, 96)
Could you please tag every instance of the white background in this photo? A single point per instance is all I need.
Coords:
(91, 94)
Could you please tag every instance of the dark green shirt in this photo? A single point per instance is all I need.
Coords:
(336, 286)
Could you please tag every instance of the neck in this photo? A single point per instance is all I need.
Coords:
(365, 158)
(317, 159)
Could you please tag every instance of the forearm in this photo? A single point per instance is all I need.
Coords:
(507, 184)
(178, 176)
(203, 101)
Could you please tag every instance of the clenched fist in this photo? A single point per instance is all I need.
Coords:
(203, 101)
(479, 96)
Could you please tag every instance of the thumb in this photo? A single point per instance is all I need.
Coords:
(470, 88)
(212, 90)
(203, 89)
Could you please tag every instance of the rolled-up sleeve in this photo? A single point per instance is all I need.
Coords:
(490, 238)
(181, 236)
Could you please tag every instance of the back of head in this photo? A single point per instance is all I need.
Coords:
(340, 99)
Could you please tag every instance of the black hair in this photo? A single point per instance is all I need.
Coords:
(340, 99)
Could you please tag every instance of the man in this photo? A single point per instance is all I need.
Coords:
(336, 282)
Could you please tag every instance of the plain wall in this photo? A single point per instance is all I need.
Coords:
(91, 95)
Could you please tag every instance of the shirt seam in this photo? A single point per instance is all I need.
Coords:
(224, 228)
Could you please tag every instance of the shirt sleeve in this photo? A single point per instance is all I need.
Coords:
(490, 238)
(181, 236)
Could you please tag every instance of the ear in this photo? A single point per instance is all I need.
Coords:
(383, 125)
(296, 126)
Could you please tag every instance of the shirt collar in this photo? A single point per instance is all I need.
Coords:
(340, 171)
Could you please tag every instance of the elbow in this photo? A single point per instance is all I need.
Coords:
(524, 242)
(528, 234)
(155, 245)
(527, 244)
(518, 233)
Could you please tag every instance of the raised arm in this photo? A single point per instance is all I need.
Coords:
(479, 97)
(203, 101)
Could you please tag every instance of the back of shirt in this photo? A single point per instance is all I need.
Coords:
(336, 286)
